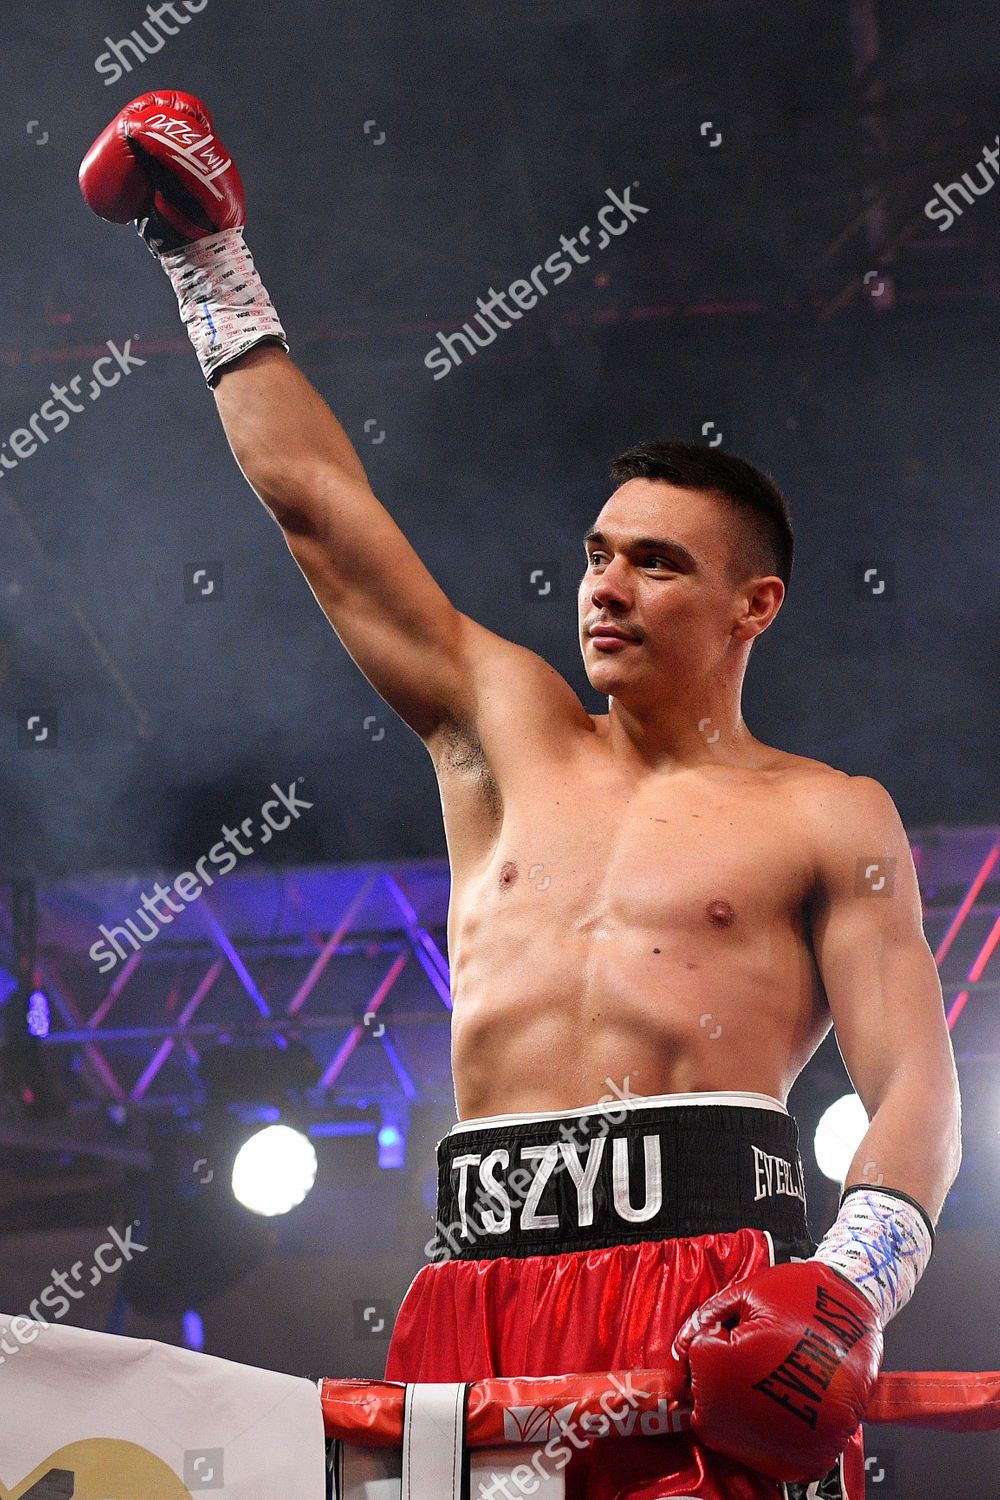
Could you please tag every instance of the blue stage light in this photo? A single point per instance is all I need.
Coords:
(38, 1013)
(391, 1147)
(193, 1330)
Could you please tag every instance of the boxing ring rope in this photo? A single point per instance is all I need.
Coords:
(370, 1413)
(949, 1400)
(392, 1440)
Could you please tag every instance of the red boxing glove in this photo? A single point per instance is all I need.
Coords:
(782, 1366)
(160, 162)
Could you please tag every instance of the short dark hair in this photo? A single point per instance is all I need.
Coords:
(764, 545)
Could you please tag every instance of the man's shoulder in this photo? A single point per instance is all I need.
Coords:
(844, 818)
(818, 779)
(835, 802)
(802, 765)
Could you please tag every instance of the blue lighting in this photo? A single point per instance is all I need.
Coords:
(268, 1114)
(193, 1330)
(38, 1013)
(391, 1148)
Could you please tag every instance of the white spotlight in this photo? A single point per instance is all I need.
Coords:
(839, 1133)
(274, 1170)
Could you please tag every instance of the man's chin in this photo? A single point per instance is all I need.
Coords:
(609, 682)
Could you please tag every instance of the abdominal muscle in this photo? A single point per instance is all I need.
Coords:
(555, 1013)
(608, 932)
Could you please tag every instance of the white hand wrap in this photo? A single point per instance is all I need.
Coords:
(221, 298)
(881, 1241)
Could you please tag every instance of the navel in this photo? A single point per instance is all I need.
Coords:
(720, 913)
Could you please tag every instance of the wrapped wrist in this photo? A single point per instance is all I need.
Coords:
(881, 1241)
(222, 300)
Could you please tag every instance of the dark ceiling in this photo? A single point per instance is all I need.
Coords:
(740, 298)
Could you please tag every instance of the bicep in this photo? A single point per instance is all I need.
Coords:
(879, 974)
(392, 617)
(433, 665)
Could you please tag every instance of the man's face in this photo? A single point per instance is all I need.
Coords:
(660, 573)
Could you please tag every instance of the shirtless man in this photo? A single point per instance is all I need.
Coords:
(650, 896)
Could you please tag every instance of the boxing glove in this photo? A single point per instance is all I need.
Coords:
(782, 1364)
(160, 164)
(781, 1368)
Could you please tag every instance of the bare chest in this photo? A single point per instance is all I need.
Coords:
(717, 852)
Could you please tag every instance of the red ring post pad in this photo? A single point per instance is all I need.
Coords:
(369, 1413)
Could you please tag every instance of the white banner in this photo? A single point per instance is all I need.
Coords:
(90, 1416)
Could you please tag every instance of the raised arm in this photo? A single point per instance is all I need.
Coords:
(161, 164)
(391, 615)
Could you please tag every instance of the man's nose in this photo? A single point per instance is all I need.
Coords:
(611, 587)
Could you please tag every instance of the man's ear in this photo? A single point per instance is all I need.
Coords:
(761, 602)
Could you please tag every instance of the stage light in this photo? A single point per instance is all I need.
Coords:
(839, 1133)
(199, 1240)
(391, 1147)
(193, 1330)
(268, 1114)
(274, 1170)
(24, 1069)
(38, 1013)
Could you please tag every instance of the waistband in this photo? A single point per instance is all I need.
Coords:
(660, 1167)
(624, 1104)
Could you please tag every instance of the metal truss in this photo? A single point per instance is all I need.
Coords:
(958, 870)
(885, 251)
(347, 959)
(351, 961)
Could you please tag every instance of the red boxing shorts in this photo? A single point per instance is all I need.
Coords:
(581, 1242)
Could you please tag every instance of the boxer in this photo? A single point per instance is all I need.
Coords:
(650, 896)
